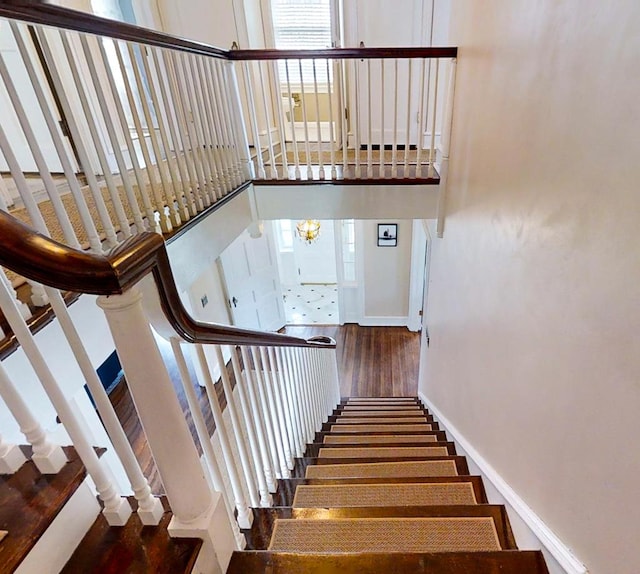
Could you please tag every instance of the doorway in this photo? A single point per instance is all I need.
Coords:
(308, 274)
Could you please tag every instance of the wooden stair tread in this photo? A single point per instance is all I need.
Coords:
(501, 562)
(134, 549)
(29, 502)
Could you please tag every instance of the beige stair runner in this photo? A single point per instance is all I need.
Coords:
(394, 408)
(381, 439)
(364, 428)
(385, 535)
(382, 452)
(354, 495)
(409, 469)
(351, 420)
(374, 413)
(3, 533)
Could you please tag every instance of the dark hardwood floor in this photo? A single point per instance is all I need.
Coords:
(372, 362)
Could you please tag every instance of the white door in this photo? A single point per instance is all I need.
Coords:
(252, 282)
(316, 262)
(8, 117)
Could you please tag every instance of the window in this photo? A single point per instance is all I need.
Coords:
(303, 25)
(349, 249)
(285, 235)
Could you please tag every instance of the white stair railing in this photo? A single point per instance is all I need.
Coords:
(209, 498)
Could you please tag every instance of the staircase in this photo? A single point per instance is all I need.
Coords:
(382, 490)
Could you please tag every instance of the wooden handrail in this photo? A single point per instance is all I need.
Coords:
(42, 259)
(345, 53)
(51, 15)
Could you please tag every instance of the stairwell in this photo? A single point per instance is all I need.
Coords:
(382, 490)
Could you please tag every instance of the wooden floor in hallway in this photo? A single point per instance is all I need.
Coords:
(373, 361)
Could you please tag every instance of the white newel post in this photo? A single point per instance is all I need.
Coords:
(197, 511)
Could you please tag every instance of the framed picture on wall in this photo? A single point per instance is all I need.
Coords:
(387, 234)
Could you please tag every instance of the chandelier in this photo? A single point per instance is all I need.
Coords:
(308, 230)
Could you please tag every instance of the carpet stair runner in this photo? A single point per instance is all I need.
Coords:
(382, 490)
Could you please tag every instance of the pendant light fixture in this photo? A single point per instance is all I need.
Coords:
(308, 230)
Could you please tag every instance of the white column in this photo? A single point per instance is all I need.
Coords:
(150, 508)
(265, 498)
(11, 457)
(245, 516)
(237, 429)
(49, 458)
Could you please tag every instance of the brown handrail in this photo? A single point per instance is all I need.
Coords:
(42, 259)
(50, 15)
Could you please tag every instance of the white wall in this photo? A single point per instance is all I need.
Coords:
(533, 306)
(386, 274)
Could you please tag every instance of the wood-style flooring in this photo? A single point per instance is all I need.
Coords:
(372, 362)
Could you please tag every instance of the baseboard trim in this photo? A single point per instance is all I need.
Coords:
(383, 321)
(560, 552)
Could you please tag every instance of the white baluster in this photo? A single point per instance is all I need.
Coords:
(49, 458)
(294, 137)
(184, 183)
(394, 153)
(283, 415)
(296, 401)
(253, 120)
(197, 511)
(262, 408)
(267, 119)
(11, 457)
(303, 395)
(277, 416)
(207, 188)
(52, 125)
(369, 138)
(182, 129)
(85, 164)
(237, 429)
(158, 203)
(238, 128)
(224, 118)
(124, 124)
(344, 68)
(115, 142)
(383, 167)
(6, 200)
(214, 129)
(356, 118)
(210, 458)
(200, 123)
(432, 147)
(36, 152)
(281, 122)
(252, 433)
(121, 216)
(303, 105)
(290, 411)
(318, 127)
(158, 164)
(406, 173)
(245, 517)
(261, 431)
(116, 509)
(421, 118)
(150, 508)
(332, 140)
(172, 185)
